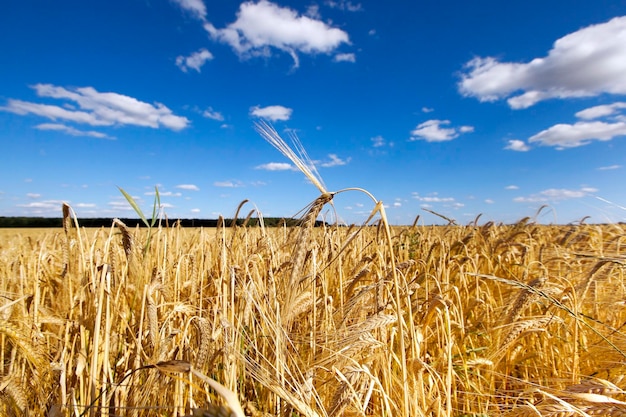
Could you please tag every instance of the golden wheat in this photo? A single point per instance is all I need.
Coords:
(444, 321)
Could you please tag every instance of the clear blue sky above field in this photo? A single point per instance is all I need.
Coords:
(458, 107)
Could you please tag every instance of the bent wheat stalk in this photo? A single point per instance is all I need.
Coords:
(302, 161)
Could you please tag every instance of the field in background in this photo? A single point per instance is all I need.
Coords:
(456, 321)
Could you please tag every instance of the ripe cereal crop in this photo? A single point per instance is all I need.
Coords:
(370, 320)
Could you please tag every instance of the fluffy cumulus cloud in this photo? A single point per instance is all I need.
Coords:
(612, 124)
(96, 109)
(434, 131)
(194, 7)
(585, 63)
(604, 110)
(556, 194)
(262, 26)
(602, 123)
(194, 61)
(578, 134)
(517, 145)
(212, 114)
(272, 113)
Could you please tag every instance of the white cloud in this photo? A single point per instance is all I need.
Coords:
(556, 194)
(609, 167)
(345, 58)
(334, 161)
(276, 166)
(434, 198)
(72, 131)
(432, 131)
(228, 184)
(212, 114)
(313, 11)
(43, 207)
(344, 5)
(581, 133)
(195, 7)
(585, 63)
(120, 203)
(189, 187)
(43, 204)
(511, 187)
(489, 201)
(272, 113)
(194, 61)
(33, 195)
(578, 134)
(262, 25)
(517, 145)
(378, 141)
(98, 109)
(52, 112)
(165, 193)
(427, 110)
(600, 111)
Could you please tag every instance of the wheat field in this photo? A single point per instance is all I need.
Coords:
(476, 320)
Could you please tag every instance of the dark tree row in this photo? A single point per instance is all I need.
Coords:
(7, 222)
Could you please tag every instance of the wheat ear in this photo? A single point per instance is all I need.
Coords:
(525, 297)
(308, 222)
(127, 238)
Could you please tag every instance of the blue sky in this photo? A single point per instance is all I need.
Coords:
(462, 108)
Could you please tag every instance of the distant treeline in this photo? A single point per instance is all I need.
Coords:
(6, 222)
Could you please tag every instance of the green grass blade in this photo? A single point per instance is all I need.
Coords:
(134, 205)
(156, 206)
